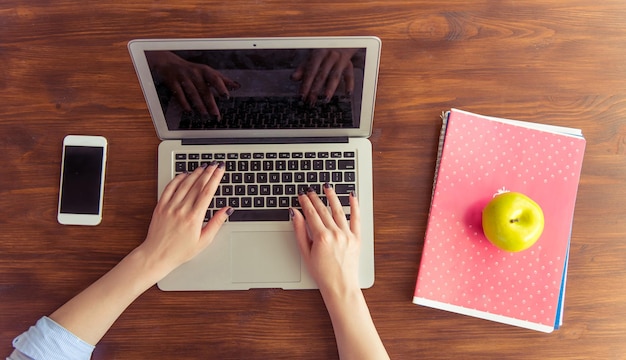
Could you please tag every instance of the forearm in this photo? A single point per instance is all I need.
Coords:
(175, 236)
(354, 328)
(90, 314)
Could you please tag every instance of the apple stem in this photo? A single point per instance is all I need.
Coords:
(501, 191)
(513, 221)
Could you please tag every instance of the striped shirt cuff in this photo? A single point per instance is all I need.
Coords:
(51, 341)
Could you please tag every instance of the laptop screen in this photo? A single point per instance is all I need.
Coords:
(256, 89)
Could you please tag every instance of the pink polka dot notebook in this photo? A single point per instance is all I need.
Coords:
(460, 270)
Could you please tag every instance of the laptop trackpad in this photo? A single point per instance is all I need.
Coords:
(265, 257)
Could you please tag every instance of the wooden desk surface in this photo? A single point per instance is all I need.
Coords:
(65, 69)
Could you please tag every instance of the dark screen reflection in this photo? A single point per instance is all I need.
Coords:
(259, 89)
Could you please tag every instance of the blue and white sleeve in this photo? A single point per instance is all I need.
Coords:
(51, 341)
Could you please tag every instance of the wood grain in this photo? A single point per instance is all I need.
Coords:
(65, 69)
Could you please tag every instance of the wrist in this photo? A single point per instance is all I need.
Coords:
(149, 269)
(338, 298)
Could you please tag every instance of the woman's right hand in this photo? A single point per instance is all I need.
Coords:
(329, 243)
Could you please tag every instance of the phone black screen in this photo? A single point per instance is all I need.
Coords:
(82, 172)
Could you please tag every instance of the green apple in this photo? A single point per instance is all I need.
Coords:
(512, 221)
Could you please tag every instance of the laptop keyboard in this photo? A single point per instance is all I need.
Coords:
(274, 113)
(262, 186)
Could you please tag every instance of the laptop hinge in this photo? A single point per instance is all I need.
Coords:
(272, 140)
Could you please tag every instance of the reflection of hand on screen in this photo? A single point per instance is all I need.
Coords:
(321, 74)
(191, 82)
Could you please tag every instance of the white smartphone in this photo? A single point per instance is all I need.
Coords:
(82, 180)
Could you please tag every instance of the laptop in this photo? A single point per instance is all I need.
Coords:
(284, 115)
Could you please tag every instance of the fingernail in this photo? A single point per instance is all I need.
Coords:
(310, 189)
(291, 213)
(213, 163)
(300, 192)
(327, 185)
(230, 211)
(204, 165)
(220, 165)
(352, 193)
